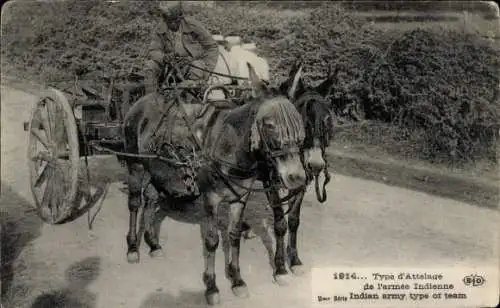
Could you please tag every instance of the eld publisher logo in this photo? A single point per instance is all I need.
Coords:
(474, 280)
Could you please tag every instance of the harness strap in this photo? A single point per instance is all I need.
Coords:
(185, 118)
(227, 180)
(198, 145)
(231, 188)
(219, 74)
(162, 118)
(236, 172)
(96, 146)
(280, 201)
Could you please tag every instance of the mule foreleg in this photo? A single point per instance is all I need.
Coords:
(210, 237)
(151, 234)
(238, 285)
(293, 226)
(154, 232)
(135, 184)
(280, 228)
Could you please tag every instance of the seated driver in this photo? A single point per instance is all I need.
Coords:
(180, 36)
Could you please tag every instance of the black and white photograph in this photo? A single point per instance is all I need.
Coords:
(249, 154)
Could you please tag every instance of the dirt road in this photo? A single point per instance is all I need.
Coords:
(364, 223)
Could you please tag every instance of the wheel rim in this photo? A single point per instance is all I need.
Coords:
(53, 158)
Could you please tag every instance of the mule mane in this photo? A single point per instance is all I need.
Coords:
(289, 125)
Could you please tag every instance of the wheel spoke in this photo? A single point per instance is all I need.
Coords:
(44, 117)
(47, 194)
(52, 118)
(41, 138)
(43, 175)
(59, 135)
(63, 148)
(56, 194)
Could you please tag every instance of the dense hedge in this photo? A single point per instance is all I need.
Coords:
(420, 6)
(444, 82)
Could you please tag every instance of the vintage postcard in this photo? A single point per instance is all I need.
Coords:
(250, 154)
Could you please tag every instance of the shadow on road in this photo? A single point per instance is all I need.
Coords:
(75, 295)
(94, 181)
(257, 215)
(19, 226)
(184, 299)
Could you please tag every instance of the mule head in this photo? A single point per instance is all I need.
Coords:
(317, 118)
(276, 135)
(318, 123)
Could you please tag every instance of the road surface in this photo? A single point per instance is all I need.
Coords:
(364, 223)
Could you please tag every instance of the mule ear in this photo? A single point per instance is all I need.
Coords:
(331, 78)
(258, 86)
(295, 82)
(295, 67)
(285, 86)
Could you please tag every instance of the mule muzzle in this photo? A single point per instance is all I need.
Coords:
(315, 164)
(294, 180)
(314, 160)
(290, 171)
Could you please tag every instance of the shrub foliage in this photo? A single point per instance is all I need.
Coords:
(443, 82)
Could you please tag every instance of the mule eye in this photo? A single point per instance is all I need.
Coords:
(328, 121)
(270, 125)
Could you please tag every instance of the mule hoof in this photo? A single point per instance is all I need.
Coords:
(282, 280)
(240, 291)
(213, 299)
(133, 257)
(297, 270)
(249, 234)
(157, 253)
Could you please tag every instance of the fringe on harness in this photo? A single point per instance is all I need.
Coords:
(289, 125)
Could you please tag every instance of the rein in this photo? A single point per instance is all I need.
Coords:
(322, 198)
(218, 74)
(281, 201)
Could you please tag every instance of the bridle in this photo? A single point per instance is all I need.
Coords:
(270, 184)
(268, 154)
(317, 130)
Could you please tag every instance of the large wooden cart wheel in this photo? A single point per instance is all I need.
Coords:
(53, 156)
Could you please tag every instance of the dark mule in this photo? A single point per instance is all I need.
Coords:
(318, 121)
(258, 141)
(317, 117)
